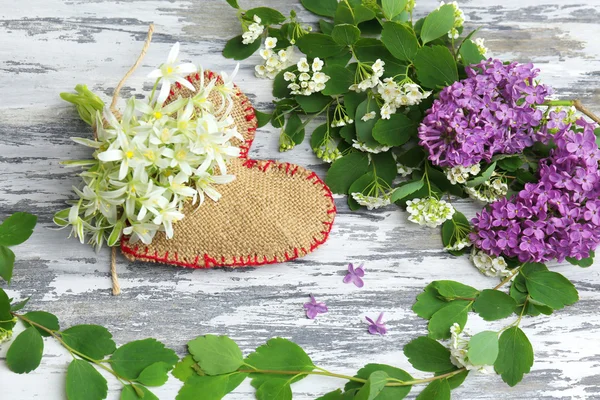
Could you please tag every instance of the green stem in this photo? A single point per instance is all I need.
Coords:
(573, 103)
(322, 372)
(70, 349)
(508, 278)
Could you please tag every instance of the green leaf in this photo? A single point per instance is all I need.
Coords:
(280, 355)
(457, 380)
(584, 262)
(204, 388)
(295, 129)
(440, 322)
(233, 3)
(325, 8)
(375, 384)
(436, 390)
(262, 118)
(280, 86)
(510, 164)
(44, 319)
(492, 305)
(452, 290)
(94, 341)
(184, 368)
(363, 14)
(392, 8)
(237, 50)
(341, 78)
(344, 171)
(313, 103)
(7, 263)
(216, 354)
(17, 306)
(274, 389)
(426, 354)
(388, 393)
(400, 41)
(406, 189)
(326, 27)
(483, 348)
(428, 302)
(335, 395)
(484, 177)
(130, 392)
(132, 358)
(25, 353)
(155, 374)
(359, 186)
(515, 357)
(551, 289)
(384, 165)
(17, 228)
(267, 15)
(345, 34)
(438, 23)
(435, 67)
(319, 45)
(84, 382)
(394, 131)
(469, 53)
(364, 129)
(8, 320)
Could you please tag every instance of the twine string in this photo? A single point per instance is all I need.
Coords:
(116, 288)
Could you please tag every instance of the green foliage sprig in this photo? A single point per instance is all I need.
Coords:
(215, 365)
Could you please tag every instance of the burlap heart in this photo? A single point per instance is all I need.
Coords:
(273, 212)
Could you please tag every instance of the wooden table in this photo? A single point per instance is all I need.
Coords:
(48, 46)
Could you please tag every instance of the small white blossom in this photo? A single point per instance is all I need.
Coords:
(170, 72)
(369, 116)
(480, 42)
(270, 42)
(404, 171)
(371, 202)
(254, 31)
(317, 64)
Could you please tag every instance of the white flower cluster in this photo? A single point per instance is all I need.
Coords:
(480, 42)
(489, 191)
(489, 265)
(328, 151)
(429, 211)
(459, 19)
(274, 61)
(460, 174)
(303, 83)
(150, 162)
(459, 349)
(341, 117)
(396, 95)
(254, 31)
(371, 202)
(404, 171)
(369, 76)
(357, 144)
(459, 244)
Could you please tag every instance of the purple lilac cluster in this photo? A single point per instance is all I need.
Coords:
(557, 217)
(492, 111)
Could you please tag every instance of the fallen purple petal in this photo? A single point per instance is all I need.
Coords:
(354, 275)
(314, 308)
(377, 327)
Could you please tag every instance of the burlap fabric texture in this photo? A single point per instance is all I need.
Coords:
(273, 212)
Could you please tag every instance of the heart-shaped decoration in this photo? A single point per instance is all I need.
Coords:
(272, 212)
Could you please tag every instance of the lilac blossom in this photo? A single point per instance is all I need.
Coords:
(555, 218)
(354, 275)
(313, 308)
(492, 111)
(377, 327)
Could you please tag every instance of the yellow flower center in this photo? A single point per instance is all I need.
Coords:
(129, 154)
(181, 154)
(165, 135)
(150, 155)
(158, 115)
(169, 70)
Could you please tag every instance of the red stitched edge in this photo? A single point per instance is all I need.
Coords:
(206, 261)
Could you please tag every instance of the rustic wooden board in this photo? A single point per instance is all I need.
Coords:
(49, 46)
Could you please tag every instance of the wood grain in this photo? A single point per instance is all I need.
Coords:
(49, 46)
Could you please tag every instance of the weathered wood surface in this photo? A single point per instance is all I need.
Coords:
(49, 46)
